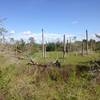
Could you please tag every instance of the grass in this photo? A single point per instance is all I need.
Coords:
(21, 82)
(69, 59)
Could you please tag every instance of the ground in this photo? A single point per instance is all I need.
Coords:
(19, 81)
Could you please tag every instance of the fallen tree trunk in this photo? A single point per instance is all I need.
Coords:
(56, 64)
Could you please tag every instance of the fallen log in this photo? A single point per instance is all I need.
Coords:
(56, 64)
(36, 64)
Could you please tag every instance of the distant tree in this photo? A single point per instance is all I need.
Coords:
(50, 47)
(32, 47)
(82, 48)
(74, 44)
(92, 44)
(87, 42)
(2, 30)
(64, 46)
(20, 45)
(31, 40)
(59, 45)
(98, 36)
(97, 47)
(67, 46)
(12, 40)
(97, 43)
(74, 38)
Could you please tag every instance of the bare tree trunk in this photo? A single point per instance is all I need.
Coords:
(94, 46)
(64, 46)
(43, 49)
(70, 45)
(86, 42)
(82, 48)
(91, 45)
(56, 52)
(67, 47)
(16, 50)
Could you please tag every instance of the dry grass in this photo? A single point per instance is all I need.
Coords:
(19, 81)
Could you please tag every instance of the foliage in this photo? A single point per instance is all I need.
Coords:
(2, 28)
(20, 45)
(19, 81)
(2, 31)
(98, 36)
(31, 40)
(98, 46)
(50, 47)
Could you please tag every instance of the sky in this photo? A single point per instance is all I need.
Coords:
(26, 18)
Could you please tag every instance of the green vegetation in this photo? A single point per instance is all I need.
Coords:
(19, 81)
(26, 75)
(70, 58)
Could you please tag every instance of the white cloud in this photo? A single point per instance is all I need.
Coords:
(27, 33)
(12, 32)
(98, 39)
(48, 37)
(53, 37)
(81, 36)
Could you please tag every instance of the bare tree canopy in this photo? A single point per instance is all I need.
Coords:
(31, 40)
(2, 28)
(98, 36)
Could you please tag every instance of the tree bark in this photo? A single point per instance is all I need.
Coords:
(86, 42)
(82, 48)
(43, 49)
(64, 46)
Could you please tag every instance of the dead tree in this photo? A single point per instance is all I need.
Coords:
(86, 42)
(70, 45)
(82, 48)
(94, 46)
(64, 46)
(16, 48)
(67, 47)
(43, 49)
(91, 45)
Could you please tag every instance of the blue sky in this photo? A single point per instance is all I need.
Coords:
(27, 17)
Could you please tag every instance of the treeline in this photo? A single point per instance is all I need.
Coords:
(75, 46)
(66, 45)
(32, 46)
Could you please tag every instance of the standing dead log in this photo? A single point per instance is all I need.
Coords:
(64, 46)
(70, 45)
(67, 47)
(91, 45)
(86, 42)
(16, 50)
(82, 48)
(43, 49)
